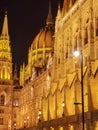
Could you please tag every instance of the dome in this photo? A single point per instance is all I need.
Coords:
(44, 39)
(42, 44)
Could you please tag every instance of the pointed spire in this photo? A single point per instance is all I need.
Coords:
(5, 34)
(59, 13)
(58, 18)
(49, 20)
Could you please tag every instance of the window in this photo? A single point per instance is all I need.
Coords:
(96, 31)
(14, 115)
(67, 51)
(2, 99)
(75, 43)
(85, 62)
(66, 54)
(97, 54)
(1, 111)
(86, 36)
(1, 121)
(15, 102)
(97, 98)
(58, 60)
(97, 27)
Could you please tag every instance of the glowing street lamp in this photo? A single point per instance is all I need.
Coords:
(76, 54)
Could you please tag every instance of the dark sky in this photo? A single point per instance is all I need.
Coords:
(25, 19)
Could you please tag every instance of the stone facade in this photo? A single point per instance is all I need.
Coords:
(51, 100)
(75, 29)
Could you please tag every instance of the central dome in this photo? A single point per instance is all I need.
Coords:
(43, 39)
(42, 44)
(39, 51)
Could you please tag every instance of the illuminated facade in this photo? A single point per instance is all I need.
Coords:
(7, 81)
(20, 101)
(50, 84)
(76, 28)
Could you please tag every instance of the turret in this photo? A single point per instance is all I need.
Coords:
(59, 16)
(5, 34)
(5, 52)
(49, 20)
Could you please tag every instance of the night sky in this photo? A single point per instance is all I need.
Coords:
(25, 19)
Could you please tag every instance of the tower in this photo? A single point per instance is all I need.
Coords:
(5, 53)
(5, 77)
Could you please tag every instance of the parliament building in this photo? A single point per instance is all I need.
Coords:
(51, 93)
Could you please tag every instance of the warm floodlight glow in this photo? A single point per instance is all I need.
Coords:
(28, 118)
(38, 117)
(63, 104)
(24, 121)
(39, 113)
(76, 53)
(15, 124)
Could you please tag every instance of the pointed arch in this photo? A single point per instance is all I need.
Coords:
(2, 99)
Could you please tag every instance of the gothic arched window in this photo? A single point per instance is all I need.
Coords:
(2, 99)
(75, 43)
(86, 36)
(96, 26)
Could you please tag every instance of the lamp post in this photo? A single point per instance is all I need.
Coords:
(76, 53)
